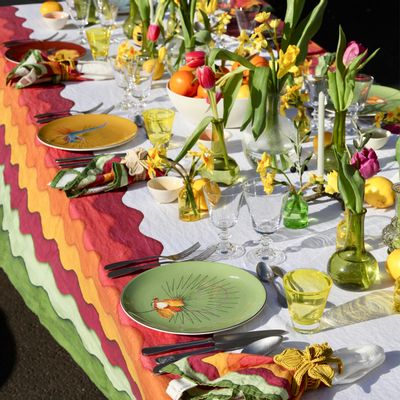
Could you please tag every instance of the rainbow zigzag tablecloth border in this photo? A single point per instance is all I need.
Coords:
(71, 246)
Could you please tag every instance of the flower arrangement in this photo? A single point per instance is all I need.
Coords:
(189, 198)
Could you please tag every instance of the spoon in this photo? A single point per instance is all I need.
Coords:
(266, 274)
(263, 346)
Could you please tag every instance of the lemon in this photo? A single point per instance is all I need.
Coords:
(327, 141)
(197, 185)
(158, 68)
(244, 92)
(393, 264)
(50, 6)
(379, 192)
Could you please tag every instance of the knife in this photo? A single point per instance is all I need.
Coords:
(225, 346)
(216, 339)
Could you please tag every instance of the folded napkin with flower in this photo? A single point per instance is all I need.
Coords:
(285, 376)
(103, 174)
(36, 67)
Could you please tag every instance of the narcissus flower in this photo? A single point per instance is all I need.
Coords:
(287, 61)
(332, 183)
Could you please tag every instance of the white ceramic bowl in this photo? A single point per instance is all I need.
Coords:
(56, 20)
(165, 189)
(378, 139)
(194, 110)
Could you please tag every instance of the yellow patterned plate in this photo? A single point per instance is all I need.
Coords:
(87, 132)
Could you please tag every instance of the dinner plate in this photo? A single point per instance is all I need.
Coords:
(16, 53)
(193, 297)
(381, 98)
(87, 132)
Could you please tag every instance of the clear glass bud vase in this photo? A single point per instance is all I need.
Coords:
(226, 169)
(277, 135)
(352, 267)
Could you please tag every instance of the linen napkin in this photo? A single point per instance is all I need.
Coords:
(37, 68)
(103, 174)
(285, 376)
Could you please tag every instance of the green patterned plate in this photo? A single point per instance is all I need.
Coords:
(381, 98)
(193, 297)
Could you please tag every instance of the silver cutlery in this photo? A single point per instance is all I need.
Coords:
(82, 161)
(263, 346)
(216, 339)
(173, 257)
(266, 274)
(15, 42)
(67, 111)
(131, 270)
(54, 117)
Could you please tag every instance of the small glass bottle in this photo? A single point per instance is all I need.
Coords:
(189, 203)
(295, 212)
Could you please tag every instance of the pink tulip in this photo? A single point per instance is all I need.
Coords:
(366, 161)
(206, 77)
(153, 32)
(352, 51)
(195, 59)
(218, 97)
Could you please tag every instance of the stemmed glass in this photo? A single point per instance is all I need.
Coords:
(245, 19)
(107, 11)
(266, 213)
(79, 13)
(362, 86)
(314, 85)
(223, 206)
(140, 77)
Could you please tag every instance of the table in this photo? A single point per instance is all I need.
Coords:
(54, 248)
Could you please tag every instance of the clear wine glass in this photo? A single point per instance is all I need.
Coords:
(266, 213)
(362, 86)
(140, 77)
(107, 11)
(245, 18)
(223, 206)
(79, 13)
(314, 85)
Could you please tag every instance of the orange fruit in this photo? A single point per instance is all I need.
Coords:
(201, 92)
(186, 68)
(158, 67)
(327, 141)
(50, 6)
(259, 61)
(393, 264)
(183, 83)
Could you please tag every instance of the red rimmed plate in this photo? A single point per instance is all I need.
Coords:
(17, 52)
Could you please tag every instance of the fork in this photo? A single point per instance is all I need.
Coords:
(173, 257)
(127, 271)
(54, 117)
(62, 112)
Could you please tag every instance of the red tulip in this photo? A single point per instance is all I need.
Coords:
(352, 51)
(153, 32)
(195, 59)
(366, 161)
(206, 77)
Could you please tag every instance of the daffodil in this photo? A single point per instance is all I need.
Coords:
(264, 163)
(206, 157)
(315, 179)
(332, 183)
(274, 23)
(208, 6)
(262, 17)
(287, 61)
(268, 182)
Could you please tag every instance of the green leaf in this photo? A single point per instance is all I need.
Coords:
(258, 96)
(332, 89)
(230, 90)
(206, 21)
(368, 59)
(308, 28)
(192, 139)
(223, 54)
(202, 37)
(398, 152)
(294, 8)
(341, 47)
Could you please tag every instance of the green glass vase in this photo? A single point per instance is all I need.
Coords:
(132, 20)
(226, 169)
(352, 267)
(295, 212)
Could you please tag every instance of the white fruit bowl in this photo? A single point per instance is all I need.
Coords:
(165, 189)
(193, 110)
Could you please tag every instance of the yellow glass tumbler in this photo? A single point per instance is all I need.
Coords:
(158, 123)
(306, 291)
(99, 42)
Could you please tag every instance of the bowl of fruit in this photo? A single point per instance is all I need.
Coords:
(190, 99)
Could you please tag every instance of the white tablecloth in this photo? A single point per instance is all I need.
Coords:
(306, 248)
